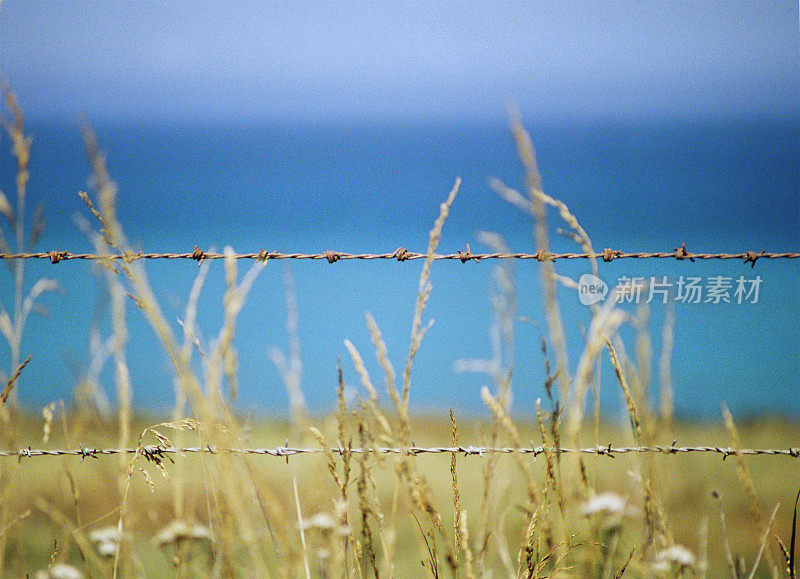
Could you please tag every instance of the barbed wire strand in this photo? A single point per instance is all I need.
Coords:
(157, 452)
(401, 254)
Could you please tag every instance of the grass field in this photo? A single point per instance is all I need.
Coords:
(57, 503)
(339, 512)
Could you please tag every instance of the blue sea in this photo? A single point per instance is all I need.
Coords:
(715, 185)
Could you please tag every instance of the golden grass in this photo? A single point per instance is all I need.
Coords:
(687, 501)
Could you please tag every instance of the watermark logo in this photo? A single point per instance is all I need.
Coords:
(714, 289)
(591, 289)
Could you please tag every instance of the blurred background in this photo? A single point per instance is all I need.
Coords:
(311, 126)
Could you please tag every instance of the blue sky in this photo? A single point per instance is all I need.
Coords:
(331, 61)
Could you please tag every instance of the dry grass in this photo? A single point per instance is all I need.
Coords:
(688, 502)
(344, 513)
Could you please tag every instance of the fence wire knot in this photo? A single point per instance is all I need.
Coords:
(88, 452)
(751, 258)
(198, 254)
(400, 254)
(465, 256)
(603, 450)
(681, 253)
(542, 255)
(726, 452)
(609, 254)
(156, 454)
(331, 256)
(263, 255)
(55, 256)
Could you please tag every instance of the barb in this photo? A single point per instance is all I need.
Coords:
(401, 254)
(480, 451)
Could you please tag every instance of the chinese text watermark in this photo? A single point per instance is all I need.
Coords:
(712, 289)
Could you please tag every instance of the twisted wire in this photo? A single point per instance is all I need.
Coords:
(401, 254)
(151, 452)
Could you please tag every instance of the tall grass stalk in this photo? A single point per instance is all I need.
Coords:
(666, 394)
(12, 325)
(229, 487)
(291, 366)
(14, 319)
(503, 301)
(424, 290)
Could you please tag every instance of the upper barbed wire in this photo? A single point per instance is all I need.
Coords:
(402, 254)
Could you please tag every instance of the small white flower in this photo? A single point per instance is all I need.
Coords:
(106, 540)
(674, 557)
(609, 504)
(179, 530)
(105, 535)
(608, 508)
(108, 548)
(322, 521)
(60, 571)
(325, 523)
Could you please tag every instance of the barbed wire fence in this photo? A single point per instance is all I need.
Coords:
(160, 452)
(157, 453)
(402, 254)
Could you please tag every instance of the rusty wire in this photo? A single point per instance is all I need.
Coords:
(401, 254)
(480, 451)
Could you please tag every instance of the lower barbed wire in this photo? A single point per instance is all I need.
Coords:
(480, 451)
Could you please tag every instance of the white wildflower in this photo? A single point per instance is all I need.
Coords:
(673, 558)
(177, 531)
(105, 535)
(106, 540)
(608, 508)
(107, 548)
(325, 523)
(322, 521)
(60, 571)
(606, 504)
